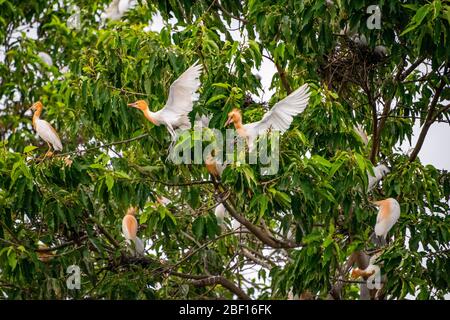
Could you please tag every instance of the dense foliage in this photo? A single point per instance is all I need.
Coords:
(307, 224)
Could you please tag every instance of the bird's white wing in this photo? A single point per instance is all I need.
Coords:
(380, 172)
(48, 134)
(281, 115)
(181, 94)
(123, 6)
(362, 134)
(220, 212)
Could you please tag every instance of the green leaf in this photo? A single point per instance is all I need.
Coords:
(198, 227)
(12, 259)
(417, 19)
(222, 85)
(109, 180)
(29, 148)
(361, 161)
(215, 98)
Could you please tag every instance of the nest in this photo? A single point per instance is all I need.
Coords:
(350, 63)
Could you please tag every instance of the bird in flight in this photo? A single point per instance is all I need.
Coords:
(129, 230)
(45, 130)
(278, 118)
(181, 99)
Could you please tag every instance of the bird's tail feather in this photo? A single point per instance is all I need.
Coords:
(139, 246)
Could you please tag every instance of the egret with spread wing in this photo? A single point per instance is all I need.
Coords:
(278, 118)
(181, 99)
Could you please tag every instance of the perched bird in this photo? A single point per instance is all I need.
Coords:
(367, 272)
(237, 226)
(388, 214)
(278, 118)
(43, 253)
(380, 52)
(305, 295)
(220, 213)
(360, 40)
(380, 172)
(129, 230)
(372, 273)
(174, 115)
(214, 166)
(45, 130)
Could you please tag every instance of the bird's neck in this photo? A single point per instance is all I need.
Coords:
(240, 129)
(238, 124)
(150, 116)
(36, 116)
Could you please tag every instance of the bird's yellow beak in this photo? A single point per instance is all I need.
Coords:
(134, 105)
(230, 119)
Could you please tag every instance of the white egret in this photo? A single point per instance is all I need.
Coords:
(174, 115)
(45, 129)
(129, 230)
(278, 118)
(388, 214)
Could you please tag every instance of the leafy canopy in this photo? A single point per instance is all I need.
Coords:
(302, 224)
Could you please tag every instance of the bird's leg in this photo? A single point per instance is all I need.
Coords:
(173, 138)
(48, 153)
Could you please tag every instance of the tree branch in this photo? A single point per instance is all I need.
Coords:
(246, 253)
(257, 231)
(283, 78)
(105, 145)
(375, 138)
(105, 233)
(431, 116)
(244, 21)
(281, 74)
(411, 68)
(126, 91)
(62, 245)
(202, 281)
